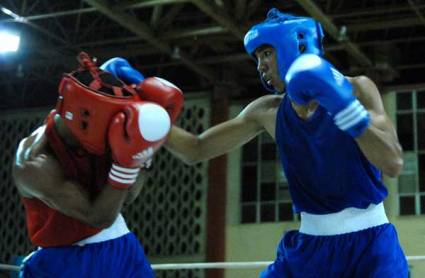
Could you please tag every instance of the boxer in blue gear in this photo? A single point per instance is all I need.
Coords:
(334, 139)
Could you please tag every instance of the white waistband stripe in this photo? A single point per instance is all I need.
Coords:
(346, 221)
(117, 229)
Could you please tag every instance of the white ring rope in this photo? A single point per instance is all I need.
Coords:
(216, 265)
(220, 265)
(10, 267)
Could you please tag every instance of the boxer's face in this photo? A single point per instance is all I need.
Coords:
(267, 67)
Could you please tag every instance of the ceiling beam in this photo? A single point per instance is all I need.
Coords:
(129, 53)
(240, 8)
(136, 48)
(156, 16)
(142, 30)
(362, 26)
(56, 14)
(384, 10)
(140, 49)
(135, 4)
(352, 27)
(217, 30)
(220, 59)
(171, 15)
(417, 11)
(219, 16)
(335, 32)
(251, 8)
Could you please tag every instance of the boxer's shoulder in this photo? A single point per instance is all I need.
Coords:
(264, 104)
(32, 145)
(29, 149)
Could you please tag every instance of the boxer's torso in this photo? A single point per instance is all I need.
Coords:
(325, 168)
(47, 226)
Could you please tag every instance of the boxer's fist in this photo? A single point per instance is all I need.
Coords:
(134, 136)
(153, 89)
(164, 93)
(311, 77)
(122, 69)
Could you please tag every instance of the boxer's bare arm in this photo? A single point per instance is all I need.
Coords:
(136, 188)
(38, 174)
(258, 116)
(379, 142)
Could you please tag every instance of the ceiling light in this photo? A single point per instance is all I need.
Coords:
(9, 42)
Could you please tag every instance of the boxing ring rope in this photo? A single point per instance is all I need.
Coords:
(215, 265)
(10, 267)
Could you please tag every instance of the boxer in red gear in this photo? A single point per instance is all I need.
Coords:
(76, 171)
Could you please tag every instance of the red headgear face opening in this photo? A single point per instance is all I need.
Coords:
(88, 100)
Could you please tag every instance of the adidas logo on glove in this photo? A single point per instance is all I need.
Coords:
(144, 155)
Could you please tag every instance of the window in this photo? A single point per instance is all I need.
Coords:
(264, 189)
(411, 132)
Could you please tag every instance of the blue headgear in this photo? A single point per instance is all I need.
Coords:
(286, 34)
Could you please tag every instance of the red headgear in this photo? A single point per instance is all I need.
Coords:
(88, 100)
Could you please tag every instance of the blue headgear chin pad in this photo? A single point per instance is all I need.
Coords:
(286, 34)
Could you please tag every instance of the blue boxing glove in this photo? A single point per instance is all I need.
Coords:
(121, 69)
(151, 89)
(310, 77)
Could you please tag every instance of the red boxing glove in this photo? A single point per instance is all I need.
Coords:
(134, 136)
(164, 93)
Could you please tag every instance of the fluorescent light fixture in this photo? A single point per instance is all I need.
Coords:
(7, 11)
(12, 14)
(9, 42)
